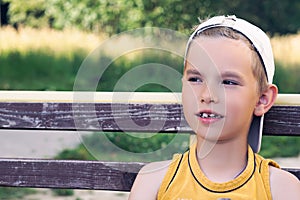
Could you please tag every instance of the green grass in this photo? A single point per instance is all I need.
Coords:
(38, 70)
(15, 193)
(127, 147)
(287, 78)
(41, 70)
(280, 146)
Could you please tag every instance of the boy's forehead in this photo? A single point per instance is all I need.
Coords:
(197, 53)
(204, 43)
(218, 52)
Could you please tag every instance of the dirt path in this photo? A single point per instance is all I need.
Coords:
(288, 162)
(35, 144)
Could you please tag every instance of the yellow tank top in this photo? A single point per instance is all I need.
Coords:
(184, 180)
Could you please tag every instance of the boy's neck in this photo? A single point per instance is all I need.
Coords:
(224, 161)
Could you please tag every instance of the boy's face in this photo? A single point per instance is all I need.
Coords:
(219, 92)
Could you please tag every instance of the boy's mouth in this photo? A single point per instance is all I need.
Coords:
(209, 114)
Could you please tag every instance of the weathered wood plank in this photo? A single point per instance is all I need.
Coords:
(72, 174)
(280, 120)
(68, 174)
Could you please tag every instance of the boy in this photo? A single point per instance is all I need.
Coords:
(226, 89)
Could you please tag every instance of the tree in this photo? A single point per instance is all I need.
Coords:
(274, 17)
(28, 13)
(114, 16)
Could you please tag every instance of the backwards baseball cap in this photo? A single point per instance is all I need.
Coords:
(261, 44)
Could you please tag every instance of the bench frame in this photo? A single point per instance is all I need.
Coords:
(21, 110)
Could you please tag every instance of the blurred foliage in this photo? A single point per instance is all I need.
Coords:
(287, 79)
(272, 16)
(8, 193)
(115, 16)
(15, 74)
(147, 66)
(38, 70)
(63, 192)
(30, 13)
(78, 153)
(124, 147)
(28, 72)
(280, 146)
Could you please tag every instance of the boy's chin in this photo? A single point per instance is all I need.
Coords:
(210, 136)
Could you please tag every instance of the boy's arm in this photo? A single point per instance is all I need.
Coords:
(148, 181)
(284, 185)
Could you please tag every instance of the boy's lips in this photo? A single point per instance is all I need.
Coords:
(208, 116)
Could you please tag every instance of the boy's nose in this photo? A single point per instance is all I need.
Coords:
(208, 95)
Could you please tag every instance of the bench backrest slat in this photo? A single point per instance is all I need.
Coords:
(68, 174)
(60, 174)
(280, 120)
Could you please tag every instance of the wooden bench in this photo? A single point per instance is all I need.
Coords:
(95, 112)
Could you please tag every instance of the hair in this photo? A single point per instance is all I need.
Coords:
(257, 65)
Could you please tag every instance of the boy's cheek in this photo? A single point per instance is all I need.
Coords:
(189, 96)
(187, 88)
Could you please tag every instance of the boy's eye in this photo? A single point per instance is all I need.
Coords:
(229, 82)
(194, 79)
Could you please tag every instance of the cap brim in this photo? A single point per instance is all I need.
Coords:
(255, 133)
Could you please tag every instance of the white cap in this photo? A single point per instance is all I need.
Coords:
(262, 45)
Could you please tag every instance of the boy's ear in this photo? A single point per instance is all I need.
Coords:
(266, 100)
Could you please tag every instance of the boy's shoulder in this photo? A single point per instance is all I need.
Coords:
(149, 179)
(155, 167)
(284, 185)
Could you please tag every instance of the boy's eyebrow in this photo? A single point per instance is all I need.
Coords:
(192, 71)
(226, 74)
(231, 74)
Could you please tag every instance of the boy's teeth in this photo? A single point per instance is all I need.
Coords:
(210, 115)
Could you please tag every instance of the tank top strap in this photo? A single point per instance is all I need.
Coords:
(264, 170)
(171, 173)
